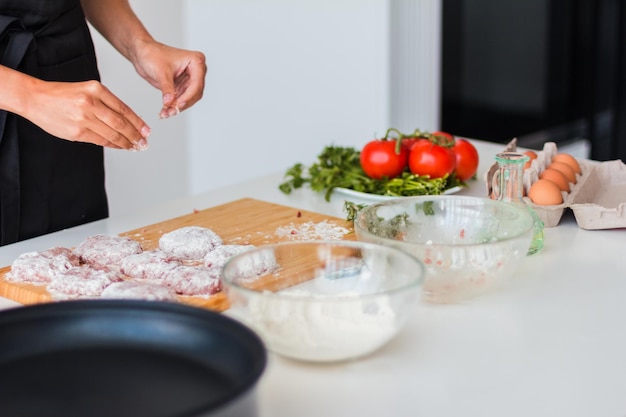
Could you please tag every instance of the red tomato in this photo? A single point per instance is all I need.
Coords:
(427, 158)
(409, 141)
(444, 135)
(466, 159)
(379, 159)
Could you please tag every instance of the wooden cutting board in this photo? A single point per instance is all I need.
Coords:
(245, 221)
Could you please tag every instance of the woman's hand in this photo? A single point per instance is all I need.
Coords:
(178, 73)
(84, 112)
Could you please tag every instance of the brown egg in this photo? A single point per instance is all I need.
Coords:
(532, 155)
(556, 177)
(545, 193)
(569, 173)
(569, 160)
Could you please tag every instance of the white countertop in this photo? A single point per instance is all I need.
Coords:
(551, 344)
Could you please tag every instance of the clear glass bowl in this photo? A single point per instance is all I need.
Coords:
(323, 301)
(468, 245)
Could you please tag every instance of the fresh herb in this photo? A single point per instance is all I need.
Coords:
(340, 166)
(426, 207)
(352, 209)
(392, 228)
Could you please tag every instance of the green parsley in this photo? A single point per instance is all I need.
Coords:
(339, 166)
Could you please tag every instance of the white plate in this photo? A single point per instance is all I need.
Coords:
(370, 198)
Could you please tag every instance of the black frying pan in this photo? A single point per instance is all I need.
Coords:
(119, 358)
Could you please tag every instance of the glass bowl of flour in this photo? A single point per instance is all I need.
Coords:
(324, 300)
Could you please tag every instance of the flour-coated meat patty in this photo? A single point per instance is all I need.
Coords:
(138, 290)
(193, 280)
(107, 250)
(41, 267)
(221, 254)
(82, 282)
(149, 265)
(190, 242)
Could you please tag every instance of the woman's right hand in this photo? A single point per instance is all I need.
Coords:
(84, 112)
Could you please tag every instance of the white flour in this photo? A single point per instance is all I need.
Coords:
(304, 326)
(312, 230)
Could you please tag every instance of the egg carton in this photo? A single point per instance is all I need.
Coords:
(598, 199)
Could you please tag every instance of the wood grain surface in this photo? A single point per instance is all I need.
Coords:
(245, 221)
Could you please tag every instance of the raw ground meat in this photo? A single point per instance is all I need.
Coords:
(107, 250)
(218, 256)
(81, 282)
(149, 265)
(31, 267)
(189, 243)
(62, 258)
(256, 264)
(139, 290)
(41, 267)
(193, 280)
(113, 266)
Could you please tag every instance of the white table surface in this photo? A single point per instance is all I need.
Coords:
(551, 344)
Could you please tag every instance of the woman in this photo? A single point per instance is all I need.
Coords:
(56, 117)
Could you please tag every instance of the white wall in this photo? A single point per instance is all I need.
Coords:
(415, 62)
(286, 78)
(139, 179)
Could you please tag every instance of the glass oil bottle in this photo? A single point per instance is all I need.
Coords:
(508, 186)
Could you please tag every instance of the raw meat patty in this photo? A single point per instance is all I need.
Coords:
(107, 250)
(41, 267)
(189, 243)
(193, 280)
(81, 282)
(139, 290)
(256, 264)
(218, 256)
(149, 265)
(62, 258)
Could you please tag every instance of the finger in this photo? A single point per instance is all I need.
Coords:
(168, 112)
(112, 136)
(181, 80)
(196, 72)
(180, 89)
(127, 129)
(169, 105)
(117, 129)
(125, 112)
(90, 136)
(181, 83)
(168, 90)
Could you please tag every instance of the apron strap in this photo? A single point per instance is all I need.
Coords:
(18, 41)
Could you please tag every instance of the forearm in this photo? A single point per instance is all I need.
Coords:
(117, 22)
(15, 87)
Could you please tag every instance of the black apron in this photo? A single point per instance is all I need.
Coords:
(46, 183)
